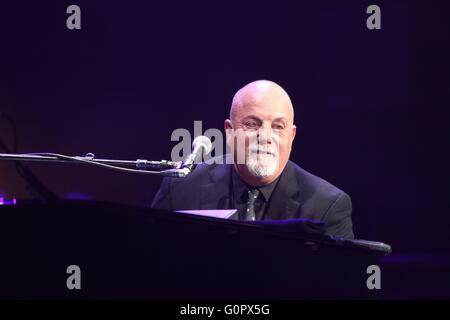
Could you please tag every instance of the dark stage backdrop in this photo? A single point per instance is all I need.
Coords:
(371, 106)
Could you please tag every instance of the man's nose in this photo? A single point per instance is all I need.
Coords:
(265, 134)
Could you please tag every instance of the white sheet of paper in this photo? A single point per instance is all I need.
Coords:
(223, 214)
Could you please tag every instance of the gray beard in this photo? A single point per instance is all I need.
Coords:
(259, 169)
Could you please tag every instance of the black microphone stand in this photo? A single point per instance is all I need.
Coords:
(165, 167)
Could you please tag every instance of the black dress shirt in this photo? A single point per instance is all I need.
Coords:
(239, 196)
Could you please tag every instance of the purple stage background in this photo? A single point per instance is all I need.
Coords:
(372, 107)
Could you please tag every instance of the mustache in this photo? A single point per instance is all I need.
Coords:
(262, 149)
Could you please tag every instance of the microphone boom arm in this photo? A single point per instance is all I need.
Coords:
(168, 168)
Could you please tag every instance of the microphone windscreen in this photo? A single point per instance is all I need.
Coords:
(205, 142)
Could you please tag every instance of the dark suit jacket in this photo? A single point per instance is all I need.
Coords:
(299, 194)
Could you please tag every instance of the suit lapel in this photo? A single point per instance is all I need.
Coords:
(283, 203)
(215, 195)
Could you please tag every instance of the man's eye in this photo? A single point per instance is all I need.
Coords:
(251, 124)
(278, 127)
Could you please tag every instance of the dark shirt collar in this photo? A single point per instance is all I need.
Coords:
(240, 187)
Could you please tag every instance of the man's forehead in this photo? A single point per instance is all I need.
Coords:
(263, 111)
(263, 98)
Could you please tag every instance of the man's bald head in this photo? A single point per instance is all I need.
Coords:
(262, 112)
(256, 92)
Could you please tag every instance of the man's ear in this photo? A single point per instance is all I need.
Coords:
(294, 131)
(227, 125)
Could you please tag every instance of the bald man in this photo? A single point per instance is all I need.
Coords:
(257, 178)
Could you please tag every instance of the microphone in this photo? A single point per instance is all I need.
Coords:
(188, 165)
(199, 143)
